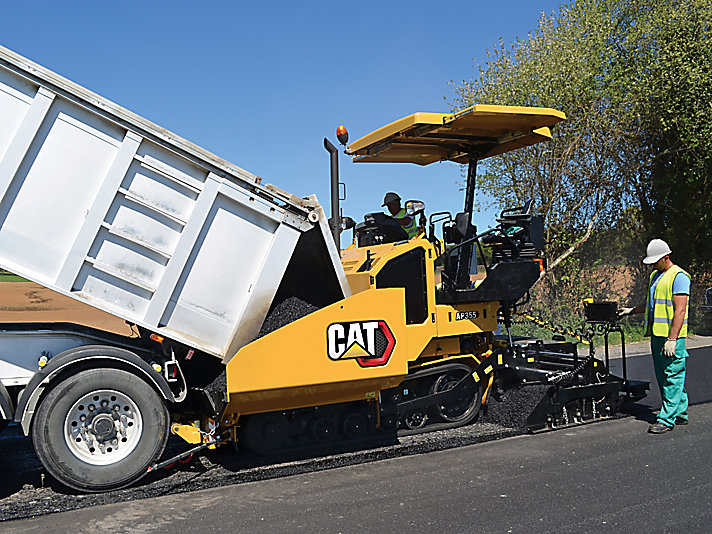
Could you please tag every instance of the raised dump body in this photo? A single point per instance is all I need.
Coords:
(104, 206)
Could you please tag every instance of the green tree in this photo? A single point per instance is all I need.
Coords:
(663, 74)
(578, 177)
(634, 78)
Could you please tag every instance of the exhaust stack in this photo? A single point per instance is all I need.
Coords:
(335, 220)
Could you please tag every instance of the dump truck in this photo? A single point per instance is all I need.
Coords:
(107, 208)
(250, 325)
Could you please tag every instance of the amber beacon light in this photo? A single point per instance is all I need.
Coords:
(342, 134)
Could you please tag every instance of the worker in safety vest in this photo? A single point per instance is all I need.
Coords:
(393, 202)
(666, 311)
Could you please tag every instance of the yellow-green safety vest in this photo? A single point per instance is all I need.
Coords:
(412, 228)
(663, 309)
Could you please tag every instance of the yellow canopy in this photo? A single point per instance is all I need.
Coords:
(425, 138)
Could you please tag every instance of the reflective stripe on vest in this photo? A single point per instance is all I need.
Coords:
(412, 228)
(663, 309)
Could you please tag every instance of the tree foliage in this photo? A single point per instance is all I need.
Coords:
(664, 74)
(634, 158)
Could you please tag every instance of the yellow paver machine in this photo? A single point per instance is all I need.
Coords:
(413, 348)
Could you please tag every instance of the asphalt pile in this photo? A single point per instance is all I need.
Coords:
(287, 311)
(217, 389)
(510, 408)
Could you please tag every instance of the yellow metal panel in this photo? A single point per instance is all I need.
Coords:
(425, 138)
(358, 282)
(189, 433)
(353, 258)
(497, 120)
(466, 318)
(305, 363)
(420, 335)
(272, 400)
(399, 126)
(442, 347)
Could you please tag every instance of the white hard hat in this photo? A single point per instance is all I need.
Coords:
(657, 248)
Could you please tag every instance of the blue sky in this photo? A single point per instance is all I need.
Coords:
(262, 83)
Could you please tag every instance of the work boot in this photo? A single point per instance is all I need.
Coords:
(680, 422)
(659, 428)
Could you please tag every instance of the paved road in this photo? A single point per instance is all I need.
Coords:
(611, 477)
(604, 477)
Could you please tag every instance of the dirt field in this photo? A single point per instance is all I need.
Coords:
(22, 302)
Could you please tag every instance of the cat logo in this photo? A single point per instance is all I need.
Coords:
(370, 343)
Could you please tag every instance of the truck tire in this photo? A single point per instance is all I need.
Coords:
(100, 429)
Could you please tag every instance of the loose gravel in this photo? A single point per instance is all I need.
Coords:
(511, 407)
(287, 311)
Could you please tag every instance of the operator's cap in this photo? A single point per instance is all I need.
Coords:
(390, 197)
(657, 249)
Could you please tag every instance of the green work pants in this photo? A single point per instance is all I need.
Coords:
(670, 373)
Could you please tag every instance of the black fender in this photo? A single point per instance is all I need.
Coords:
(5, 404)
(96, 356)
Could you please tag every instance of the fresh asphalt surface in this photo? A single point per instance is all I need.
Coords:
(605, 477)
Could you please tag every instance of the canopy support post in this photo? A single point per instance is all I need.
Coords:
(464, 253)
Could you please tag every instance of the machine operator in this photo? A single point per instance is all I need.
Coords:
(393, 202)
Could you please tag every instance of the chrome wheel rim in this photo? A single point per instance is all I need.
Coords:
(103, 427)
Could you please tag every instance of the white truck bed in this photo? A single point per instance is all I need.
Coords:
(102, 205)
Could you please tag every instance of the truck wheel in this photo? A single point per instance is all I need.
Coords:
(100, 429)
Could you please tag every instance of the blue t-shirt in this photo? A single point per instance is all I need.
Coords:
(680, 286)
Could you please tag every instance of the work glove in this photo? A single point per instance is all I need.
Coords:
(624, 312)
(669, 348)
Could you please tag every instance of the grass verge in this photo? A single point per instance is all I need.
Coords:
(9, 277)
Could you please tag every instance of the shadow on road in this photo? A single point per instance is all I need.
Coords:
(698, 381)
(22, 470)
(639, 411)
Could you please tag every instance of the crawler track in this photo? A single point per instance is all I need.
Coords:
(440, 397)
